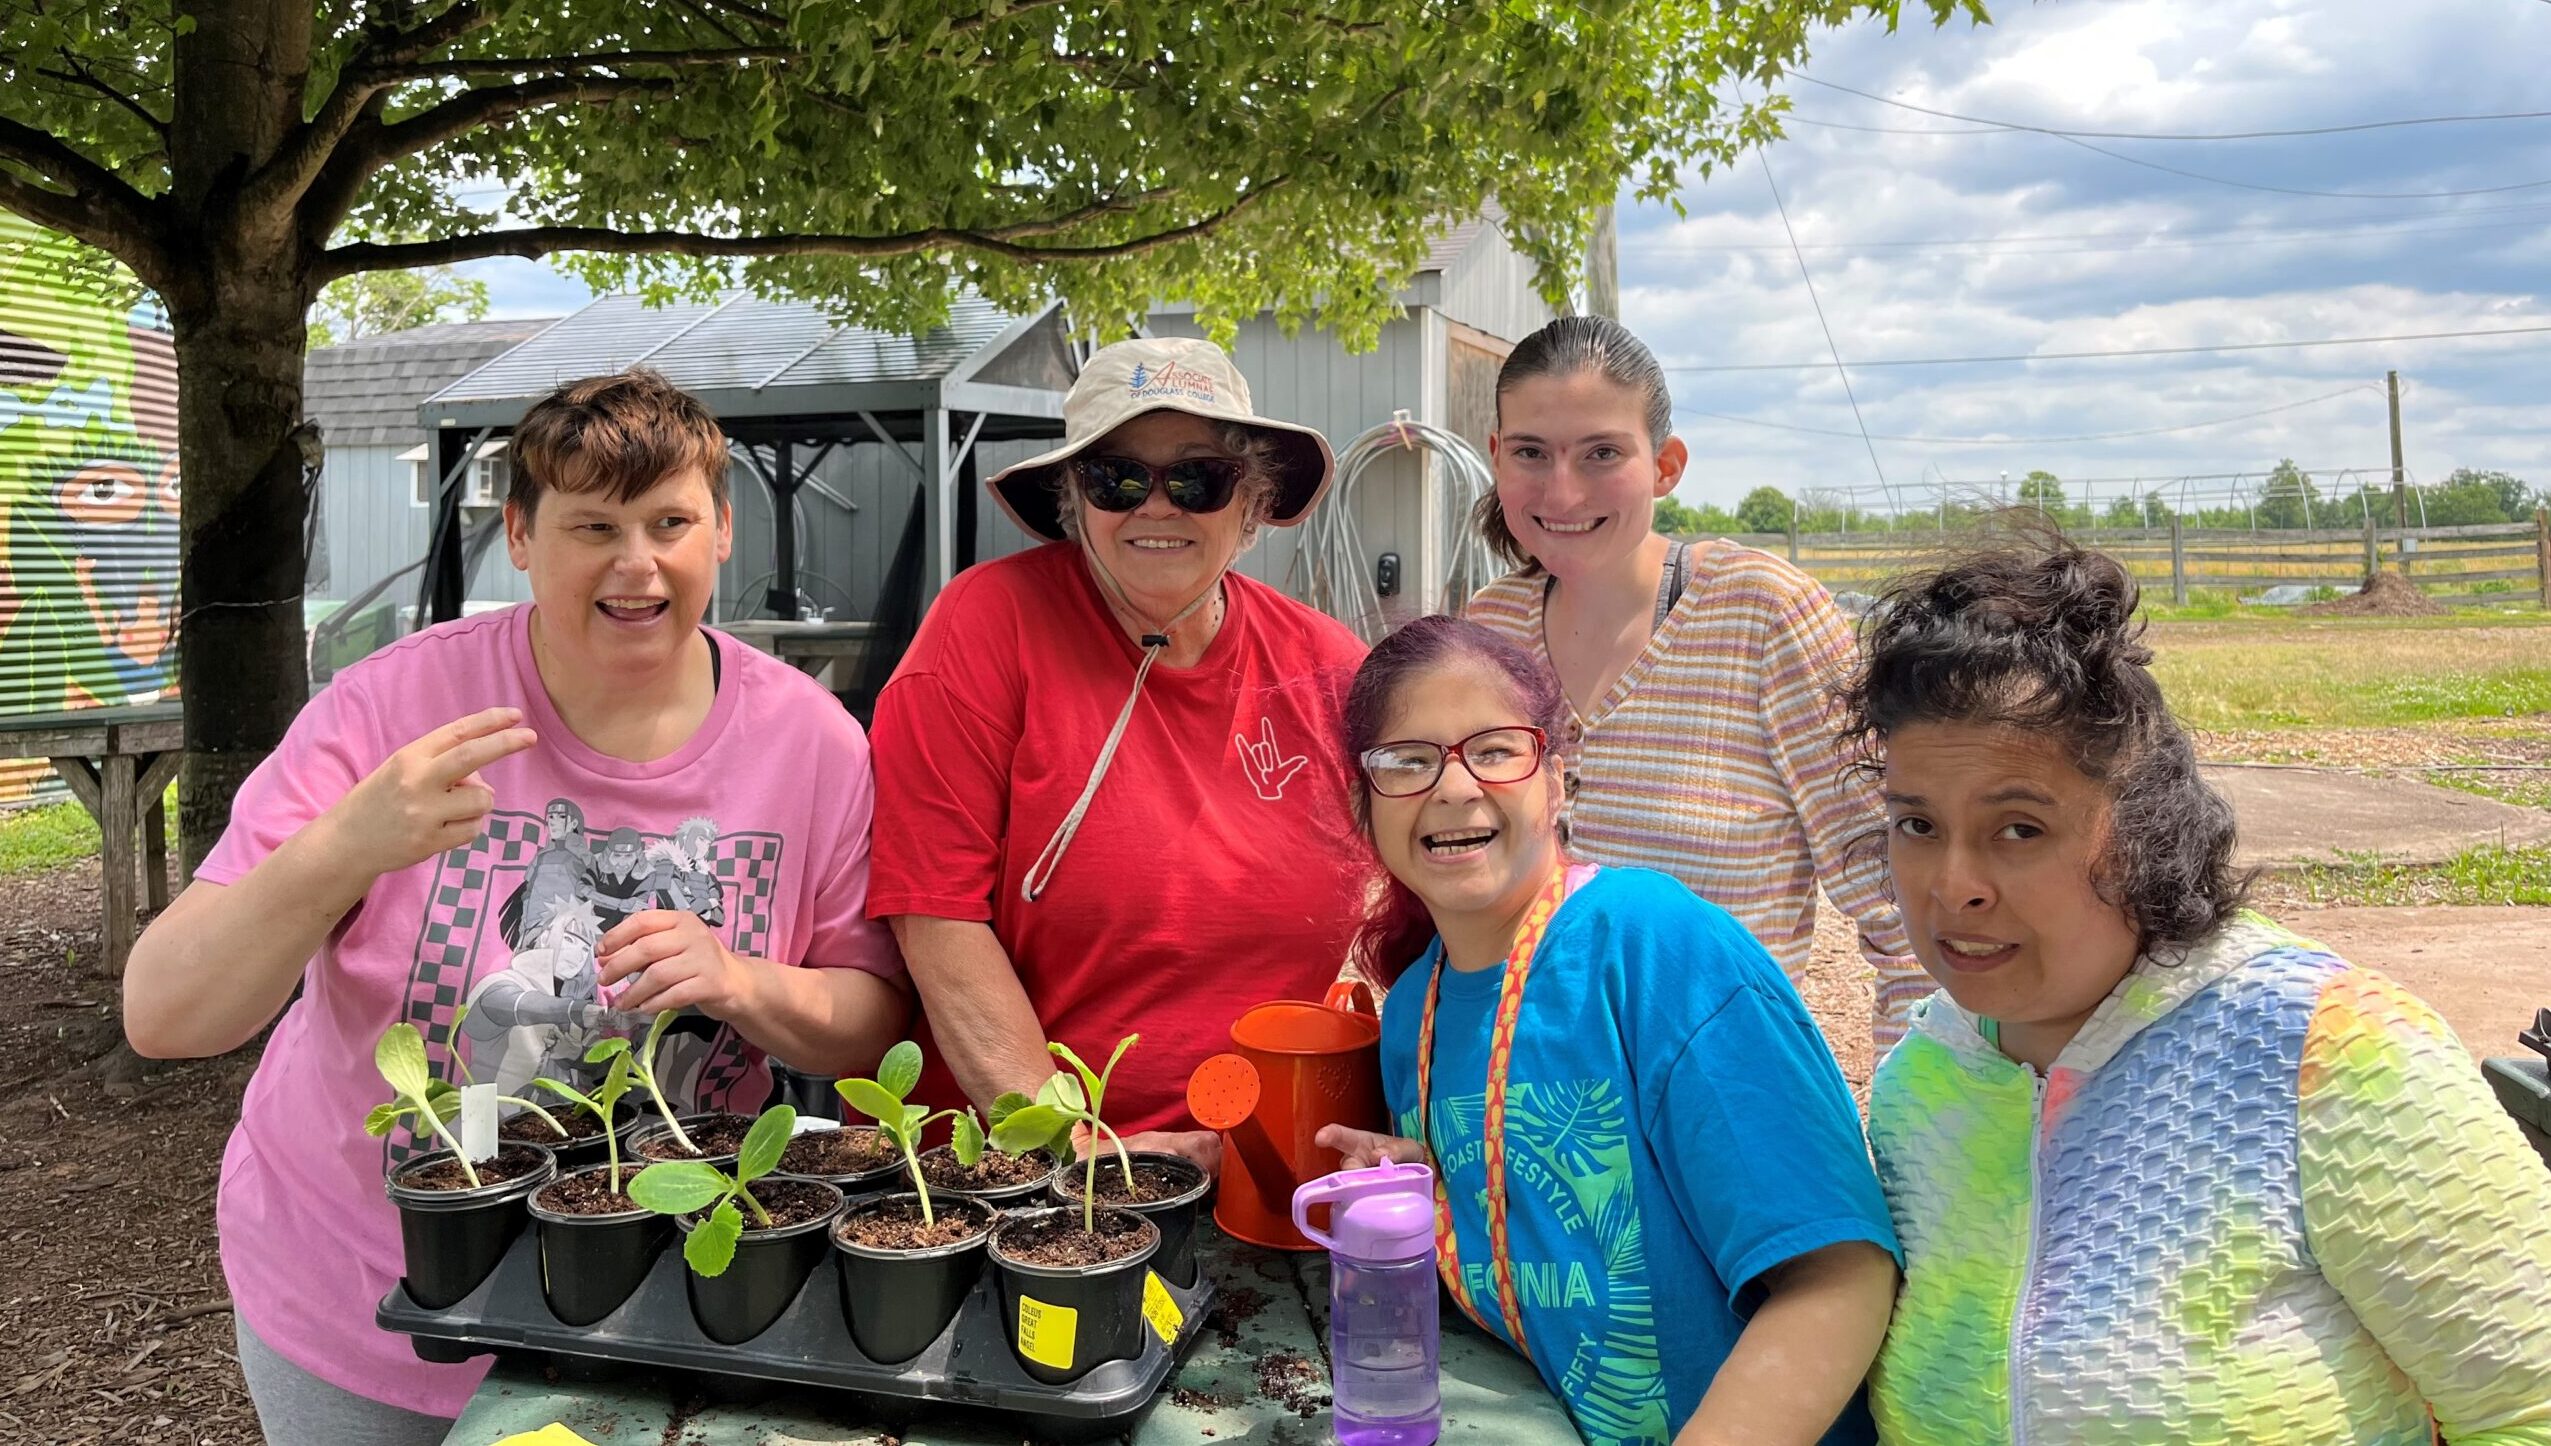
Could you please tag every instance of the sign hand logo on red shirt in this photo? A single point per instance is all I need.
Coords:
(1265, 763)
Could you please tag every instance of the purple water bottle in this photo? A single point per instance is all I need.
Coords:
(1383, 1330)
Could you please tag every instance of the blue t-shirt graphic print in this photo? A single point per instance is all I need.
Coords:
(1675, 1127)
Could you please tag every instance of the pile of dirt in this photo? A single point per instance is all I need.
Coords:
(2385, 595)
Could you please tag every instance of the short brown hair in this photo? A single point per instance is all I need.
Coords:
(620, 434)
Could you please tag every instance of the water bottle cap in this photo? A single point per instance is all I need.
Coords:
(1383, 1213)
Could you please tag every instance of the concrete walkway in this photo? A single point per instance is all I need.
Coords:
(2293, 816)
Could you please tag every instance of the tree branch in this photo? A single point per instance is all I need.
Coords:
(290, 172)
(130, 239)
(486, 106)
(534, 242)
(81, 75)
(608, 60)
(99, 203)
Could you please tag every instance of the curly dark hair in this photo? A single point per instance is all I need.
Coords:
(2030, 630)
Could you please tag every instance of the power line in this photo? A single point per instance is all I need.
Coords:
(2125, 241)
(1831, 348)
(2039, 441)
(1992, 125)
(2073, 138)
(1943, 361)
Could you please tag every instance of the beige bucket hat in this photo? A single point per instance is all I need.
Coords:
(1178, 374)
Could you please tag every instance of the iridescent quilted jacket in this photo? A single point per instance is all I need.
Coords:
(2263, 1197)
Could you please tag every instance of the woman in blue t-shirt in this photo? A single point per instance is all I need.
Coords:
(1655, 1174)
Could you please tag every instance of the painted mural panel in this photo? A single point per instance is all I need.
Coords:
(88, 489)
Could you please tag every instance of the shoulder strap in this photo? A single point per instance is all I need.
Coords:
(1669, 588)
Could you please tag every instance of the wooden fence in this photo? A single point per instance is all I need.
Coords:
(2506, 563)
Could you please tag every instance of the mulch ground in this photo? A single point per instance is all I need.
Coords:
(111, 1298)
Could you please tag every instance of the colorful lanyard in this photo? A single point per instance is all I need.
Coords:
(1501, 1050)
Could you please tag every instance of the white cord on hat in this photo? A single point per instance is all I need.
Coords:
(1041, 873)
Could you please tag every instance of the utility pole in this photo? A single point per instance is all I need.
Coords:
(2400, 484)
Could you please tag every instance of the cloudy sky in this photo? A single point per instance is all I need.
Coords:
(1930, 237)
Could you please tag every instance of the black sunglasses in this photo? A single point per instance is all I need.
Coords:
(1194, 484)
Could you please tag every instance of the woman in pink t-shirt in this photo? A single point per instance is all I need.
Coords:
(599, 836)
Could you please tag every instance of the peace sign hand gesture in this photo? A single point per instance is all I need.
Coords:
(1265, 763)
(427, 797)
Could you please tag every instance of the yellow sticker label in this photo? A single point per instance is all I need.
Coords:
(1047, 1333)
(1159, 1311)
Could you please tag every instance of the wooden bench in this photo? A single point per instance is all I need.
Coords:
(118, 763)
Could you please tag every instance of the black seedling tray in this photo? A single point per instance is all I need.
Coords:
(969, 1365)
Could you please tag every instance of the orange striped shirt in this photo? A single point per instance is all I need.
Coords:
(1716, 758)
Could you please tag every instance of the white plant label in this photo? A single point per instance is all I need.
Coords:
(478, 1121)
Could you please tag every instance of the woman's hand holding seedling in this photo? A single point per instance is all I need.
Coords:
(670, 959)
(425, 799)
(684, 1187)
(882, 1099)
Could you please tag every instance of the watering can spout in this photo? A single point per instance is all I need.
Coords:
(1295, 1068)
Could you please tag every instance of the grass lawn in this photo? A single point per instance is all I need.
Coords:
(2348, 672)
(33, 839)
(2485, 875)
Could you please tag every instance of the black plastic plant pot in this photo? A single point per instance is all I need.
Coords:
(453, 1238)
(1176, 1216)
(653, 1127)
(896, 1302)
(1026, 1192)
(589, 1264)
(769, 1268)
(1063, 1321)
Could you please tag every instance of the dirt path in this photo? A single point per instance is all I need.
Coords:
(2485, 970)
(111, 1296)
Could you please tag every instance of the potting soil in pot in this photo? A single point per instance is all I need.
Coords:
(838, 1152)
(587, 1194)
(532, 1129)
(896, 1225)
(511, 1163)
(1059, 1240)
(1151, 1182)
(788, 1201)
(715, 1135)
(995, 1171)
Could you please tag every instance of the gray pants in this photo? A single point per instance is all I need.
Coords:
(296, 1408)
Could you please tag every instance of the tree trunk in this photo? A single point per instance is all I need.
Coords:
(237, 305)
(241, 665)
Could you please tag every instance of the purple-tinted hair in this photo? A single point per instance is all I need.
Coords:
(1396, 924)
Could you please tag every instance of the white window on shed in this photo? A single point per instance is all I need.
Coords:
(490, 476)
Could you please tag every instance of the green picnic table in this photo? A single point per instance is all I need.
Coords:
(1490, 1394)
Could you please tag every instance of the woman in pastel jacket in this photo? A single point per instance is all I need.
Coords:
(2163, 1171)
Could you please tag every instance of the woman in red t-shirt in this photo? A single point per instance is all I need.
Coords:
(1107, 797)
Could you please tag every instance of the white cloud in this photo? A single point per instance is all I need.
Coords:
(2101, 254)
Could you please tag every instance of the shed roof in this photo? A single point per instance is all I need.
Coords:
(749, 357)
(365, 392)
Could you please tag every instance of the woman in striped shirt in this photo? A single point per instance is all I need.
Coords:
(1699, 676)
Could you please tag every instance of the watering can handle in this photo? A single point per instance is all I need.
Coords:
(1352, 996)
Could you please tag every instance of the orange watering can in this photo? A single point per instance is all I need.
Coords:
(1299, 1066)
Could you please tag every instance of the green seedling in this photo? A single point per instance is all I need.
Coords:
(602, 1104)
(1062, 1102)
(882, 1099)
(683, 1187)
(400, 1056)
(642, 1065)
